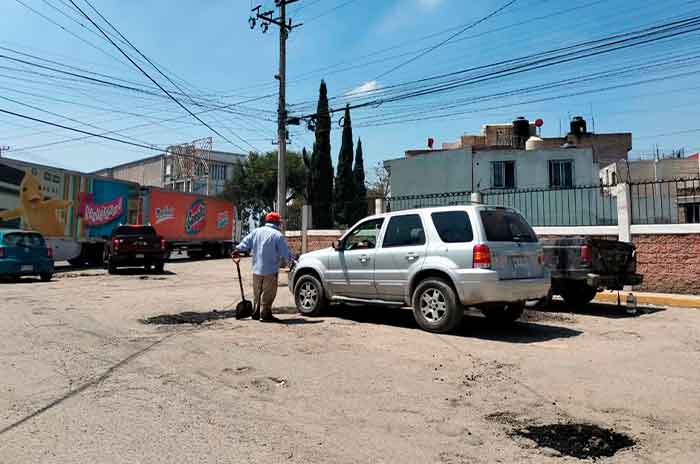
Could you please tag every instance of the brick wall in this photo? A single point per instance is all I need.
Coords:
(669, 263)
(316, 241)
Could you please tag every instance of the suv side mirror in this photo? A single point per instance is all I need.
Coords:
(337, 245)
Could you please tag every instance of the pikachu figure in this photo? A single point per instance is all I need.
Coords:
(37, 214)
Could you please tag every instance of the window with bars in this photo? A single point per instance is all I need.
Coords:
(561, 173)
(503, 174)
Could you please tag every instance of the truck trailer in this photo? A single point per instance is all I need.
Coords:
(198, 224)
(75, 212)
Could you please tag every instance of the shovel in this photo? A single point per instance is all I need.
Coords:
(244, 308)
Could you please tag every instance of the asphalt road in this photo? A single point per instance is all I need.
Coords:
(82, 380)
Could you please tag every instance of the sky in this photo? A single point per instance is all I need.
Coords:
(360, 48)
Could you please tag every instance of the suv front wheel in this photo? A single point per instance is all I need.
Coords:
(308, 295)
(435, 306)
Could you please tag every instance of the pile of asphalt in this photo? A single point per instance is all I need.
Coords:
(582, 441)
(189, 317)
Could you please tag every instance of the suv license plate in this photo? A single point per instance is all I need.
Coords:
(519, 261)
(27, 268)
(140, 256)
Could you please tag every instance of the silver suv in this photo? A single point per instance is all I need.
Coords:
(437, 260)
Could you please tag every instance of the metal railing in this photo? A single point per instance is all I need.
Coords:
(399, 203)
(592, 205)
(665, 202)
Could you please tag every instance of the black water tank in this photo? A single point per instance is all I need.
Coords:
(521, 132)
(578, 126)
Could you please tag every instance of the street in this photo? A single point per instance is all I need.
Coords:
(84, 380)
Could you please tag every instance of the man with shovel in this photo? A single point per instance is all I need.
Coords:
(266, 245)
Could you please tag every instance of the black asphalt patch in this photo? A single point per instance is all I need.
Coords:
(189, 317)
(582, 441)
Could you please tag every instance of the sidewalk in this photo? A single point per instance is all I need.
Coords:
(655, 299)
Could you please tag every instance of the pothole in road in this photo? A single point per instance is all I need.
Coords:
(189, 317)
(582, 441)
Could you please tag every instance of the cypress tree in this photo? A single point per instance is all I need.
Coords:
(323, 165)
(358, 174)
(344, 182)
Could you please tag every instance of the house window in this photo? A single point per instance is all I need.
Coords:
(561, 173)
(691, 212)
(503, 174)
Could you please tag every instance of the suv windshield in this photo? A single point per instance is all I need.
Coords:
(24, 240)
(135, 231)
(502, 225)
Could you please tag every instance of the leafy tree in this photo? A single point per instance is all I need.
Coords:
(322, 165)
(344, 182)
(359, 210)
(253, 188)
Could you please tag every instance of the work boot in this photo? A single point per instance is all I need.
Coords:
(266, 316)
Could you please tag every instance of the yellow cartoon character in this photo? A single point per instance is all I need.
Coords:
(37, 213)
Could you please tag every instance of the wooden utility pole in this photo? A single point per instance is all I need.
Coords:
(285, 27)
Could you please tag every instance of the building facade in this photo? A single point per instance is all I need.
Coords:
(202, 172)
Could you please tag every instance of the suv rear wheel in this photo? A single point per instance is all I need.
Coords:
(308, 295)
(504, 313)
(435, 306)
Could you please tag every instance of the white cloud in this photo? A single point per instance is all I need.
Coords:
(429, 4)
(367, 87)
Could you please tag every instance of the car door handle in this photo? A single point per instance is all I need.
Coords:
(411, 257)
(364, 259)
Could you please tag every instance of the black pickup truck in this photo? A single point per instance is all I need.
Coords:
(135, 245)
(582, 266)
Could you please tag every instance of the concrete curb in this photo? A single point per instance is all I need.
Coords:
(654, 299)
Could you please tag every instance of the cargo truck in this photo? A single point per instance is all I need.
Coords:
(198, 224)
(75, 212)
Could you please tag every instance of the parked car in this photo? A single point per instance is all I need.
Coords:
(135, 245)
(437, 260)
(582, 266)
(25, 253)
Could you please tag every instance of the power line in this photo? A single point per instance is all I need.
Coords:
(443, 42)
(93, 134)
(153, 80)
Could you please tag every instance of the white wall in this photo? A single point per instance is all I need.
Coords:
(532, 167)
(444, 171)
(451, 170)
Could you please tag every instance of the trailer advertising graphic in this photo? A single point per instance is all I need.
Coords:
(180, 216)
(59, 203)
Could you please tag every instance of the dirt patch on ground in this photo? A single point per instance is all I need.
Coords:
(582, 441)
(189, 317)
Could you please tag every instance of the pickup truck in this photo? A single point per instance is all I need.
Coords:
(582, 266)
(135, 245)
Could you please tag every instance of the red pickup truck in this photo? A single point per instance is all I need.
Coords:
(135, 245)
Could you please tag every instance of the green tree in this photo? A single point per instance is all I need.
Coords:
(322, 165)
(344, 182)
(359, 209)
(253, 188)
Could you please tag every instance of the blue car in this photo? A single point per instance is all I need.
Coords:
(24, 253)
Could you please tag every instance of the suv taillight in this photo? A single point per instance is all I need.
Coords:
(49, 252)
(116, 243)
(2, 252)
(162, 244)
(586, 254)
(481, 257)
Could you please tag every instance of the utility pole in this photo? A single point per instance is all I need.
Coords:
(285, 27)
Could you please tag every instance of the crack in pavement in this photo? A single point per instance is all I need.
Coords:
(85, 386)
